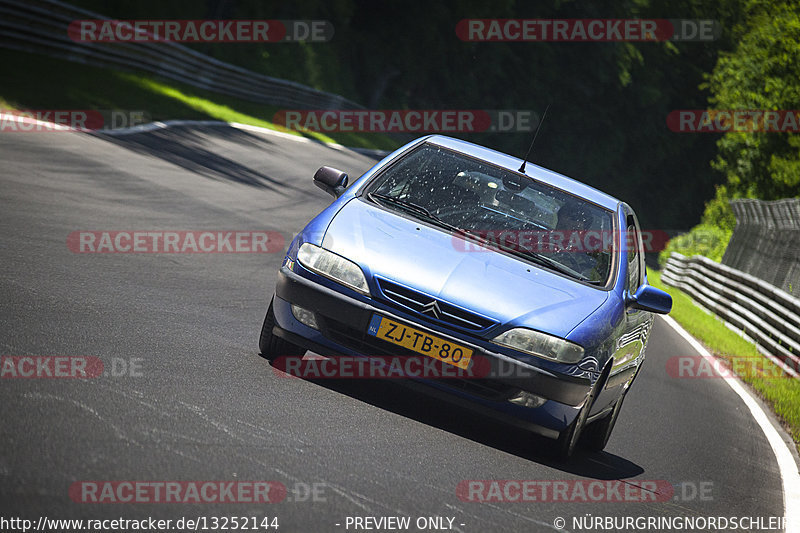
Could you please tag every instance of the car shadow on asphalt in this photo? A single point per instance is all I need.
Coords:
(414, 402)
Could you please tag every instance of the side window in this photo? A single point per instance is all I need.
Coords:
(634, 252)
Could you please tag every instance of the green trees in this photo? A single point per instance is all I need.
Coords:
(607, 124)
(763, 72)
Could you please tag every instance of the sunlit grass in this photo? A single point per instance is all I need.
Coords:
(41, 82)
(212, 109)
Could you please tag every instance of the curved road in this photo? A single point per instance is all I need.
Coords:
(194, 401)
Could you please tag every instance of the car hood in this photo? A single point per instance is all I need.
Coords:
(430, 260)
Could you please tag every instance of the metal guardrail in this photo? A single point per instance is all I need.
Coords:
(766, 314)
(766, 241)
(40, 26)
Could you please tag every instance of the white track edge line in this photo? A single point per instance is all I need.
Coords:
(157, 125)
(787, 466)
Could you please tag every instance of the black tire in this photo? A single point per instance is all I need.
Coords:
(571, 436)
(568, 440)
(272, 346)
(596, 435)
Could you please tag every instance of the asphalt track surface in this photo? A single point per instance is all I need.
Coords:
(203, 405)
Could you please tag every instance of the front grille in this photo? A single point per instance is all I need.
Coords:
(432, 308)
(361, 342)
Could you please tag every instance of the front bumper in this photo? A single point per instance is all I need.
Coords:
(344, 321)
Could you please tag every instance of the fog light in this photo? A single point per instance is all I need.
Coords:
(526, 399)
(304, 316)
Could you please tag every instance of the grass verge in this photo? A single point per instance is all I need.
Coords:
(779, 390)
(42, 82)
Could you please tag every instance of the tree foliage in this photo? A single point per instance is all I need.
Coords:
(762, 73)
(607, 124)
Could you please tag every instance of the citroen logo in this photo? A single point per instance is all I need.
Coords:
(432, 308)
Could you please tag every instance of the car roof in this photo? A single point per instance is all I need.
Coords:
(531, 170)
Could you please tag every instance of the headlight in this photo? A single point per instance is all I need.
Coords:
(332, 266)
(540, 345)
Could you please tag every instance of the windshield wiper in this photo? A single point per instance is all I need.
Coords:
(412, 207)
(531, 256)
(555, 265)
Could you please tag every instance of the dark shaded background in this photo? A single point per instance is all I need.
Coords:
(607, 124)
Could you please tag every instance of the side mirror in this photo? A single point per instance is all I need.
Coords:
(648, 298)
(331, 180)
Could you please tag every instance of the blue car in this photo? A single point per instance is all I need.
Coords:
(529, 284)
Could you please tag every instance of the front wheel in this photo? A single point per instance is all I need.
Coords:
(272, 346)
(568, 440)
(597, 433)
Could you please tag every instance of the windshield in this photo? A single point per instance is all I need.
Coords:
(500, 210)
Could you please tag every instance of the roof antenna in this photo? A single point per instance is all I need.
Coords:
(524, 161)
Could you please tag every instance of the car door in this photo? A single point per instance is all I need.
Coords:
(636, 326)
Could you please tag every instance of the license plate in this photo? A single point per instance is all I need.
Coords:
(420, 342)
